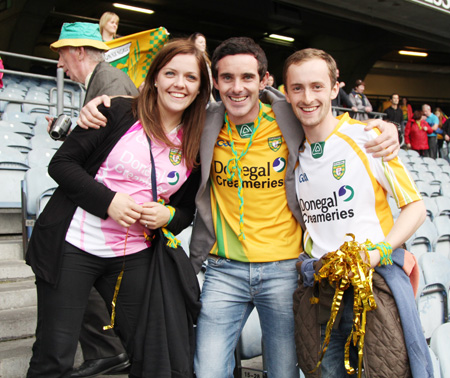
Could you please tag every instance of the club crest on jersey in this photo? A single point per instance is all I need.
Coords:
(245, 130)
(317, 149)
(275, 143)
(175, 156)
(338, 169)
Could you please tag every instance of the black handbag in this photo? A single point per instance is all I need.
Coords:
(164, 341)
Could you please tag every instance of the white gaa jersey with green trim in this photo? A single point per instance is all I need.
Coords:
(341, 189)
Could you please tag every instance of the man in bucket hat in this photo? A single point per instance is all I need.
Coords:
(80, 47)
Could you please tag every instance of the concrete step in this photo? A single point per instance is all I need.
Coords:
(10, 222)
(15, 357)
(11, 248)
(17, 294)
(17, 323)
(11, 270)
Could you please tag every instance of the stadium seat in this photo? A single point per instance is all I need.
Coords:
(10, 108)
(442, 242)
(425, 188)
(436, 365)
(40, 157)
(445, 169)
(29, 82)
(16, 127)
(426, 176)
(430, 162)
(11, 175)
(403, 154)
(422, 240)
(441, 162)
(33, 108)
(10, 139)
(432, 305)
(249, 346)
(39, 89)
(445, 189)
(394, 209)
(36, 188)
(17, 116)
(435, 268)
(185, 237)
(440, 345)
(413, 153)
(443, 205)
(7, 96)
(432, 210)
(11, 155)
(17, 86)
(44, 141)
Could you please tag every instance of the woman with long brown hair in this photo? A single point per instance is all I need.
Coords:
(99, 223)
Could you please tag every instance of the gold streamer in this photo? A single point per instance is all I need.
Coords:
(116, 289)
(343, 268)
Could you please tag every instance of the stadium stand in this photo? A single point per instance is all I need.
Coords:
(440, 345)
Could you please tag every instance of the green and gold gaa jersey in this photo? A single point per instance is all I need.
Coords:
(271, 231)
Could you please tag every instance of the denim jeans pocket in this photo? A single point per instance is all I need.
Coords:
(215, 260)
(287, 265)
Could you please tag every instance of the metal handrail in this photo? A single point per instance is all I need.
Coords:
(59, 85)
(349, 110)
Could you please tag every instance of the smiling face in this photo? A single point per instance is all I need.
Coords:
(178, 84)
(309, 91)
(238, 83)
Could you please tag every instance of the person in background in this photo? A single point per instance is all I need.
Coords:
(433, 121)
(271, 82)
(446, 131)
(1, 73)
(416, 133)
(394, 114)
(80, 50)
(406, 109)
(440, 132)
(109, 23)
(100, 220)
(360, 101)
(199, 41)
(342, 100)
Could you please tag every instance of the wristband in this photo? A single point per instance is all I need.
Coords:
(385, 252)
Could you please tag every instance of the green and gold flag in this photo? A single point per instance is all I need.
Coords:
(134, 53)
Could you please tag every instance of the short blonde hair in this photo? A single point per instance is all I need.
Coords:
(104, 20)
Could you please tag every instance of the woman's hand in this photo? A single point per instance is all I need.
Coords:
(124, 210)
(154, 215)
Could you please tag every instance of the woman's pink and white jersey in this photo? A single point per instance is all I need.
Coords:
(127, 169)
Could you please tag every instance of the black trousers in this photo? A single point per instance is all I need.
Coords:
(61, 308)
(96, 343)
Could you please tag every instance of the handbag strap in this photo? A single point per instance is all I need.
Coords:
(153, 174)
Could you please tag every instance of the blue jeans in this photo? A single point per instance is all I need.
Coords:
(333, 361)
(230, 291)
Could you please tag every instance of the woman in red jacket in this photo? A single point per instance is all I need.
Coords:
(416, 133)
